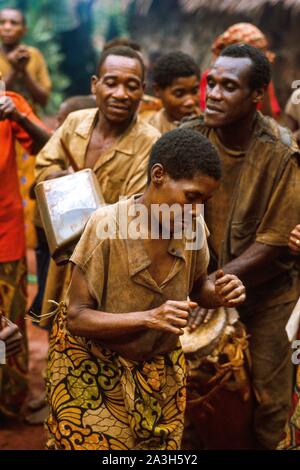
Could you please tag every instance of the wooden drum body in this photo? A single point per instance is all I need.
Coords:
(219, 397)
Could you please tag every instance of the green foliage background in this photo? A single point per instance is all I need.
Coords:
(42, 34)
(47, 18)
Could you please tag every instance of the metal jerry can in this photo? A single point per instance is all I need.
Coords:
(65, 205)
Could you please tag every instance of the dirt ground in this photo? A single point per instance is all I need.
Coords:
(14, 433)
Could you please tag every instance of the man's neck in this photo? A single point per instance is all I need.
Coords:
(110, 129)
(7, 48)
(148, 201)
(237, 136)
(168, 117)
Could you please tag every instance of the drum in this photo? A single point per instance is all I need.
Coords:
(219, 397)
(65, 205)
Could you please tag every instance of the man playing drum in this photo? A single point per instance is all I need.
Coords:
(116, 373)
(250, 218)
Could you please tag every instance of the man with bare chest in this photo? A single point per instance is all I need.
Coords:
(110, 139)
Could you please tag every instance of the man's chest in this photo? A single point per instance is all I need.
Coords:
(97, 148)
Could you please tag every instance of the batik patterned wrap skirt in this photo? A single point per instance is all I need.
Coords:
(101, 401)
(13, 375)
(291, 436)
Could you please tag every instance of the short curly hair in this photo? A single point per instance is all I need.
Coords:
(183, 153)
(173, 65)
(260, 76)
(123, 51)
(122, 41)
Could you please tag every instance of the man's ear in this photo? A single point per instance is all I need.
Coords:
(158, 174)
(94, 81)
(258, 94)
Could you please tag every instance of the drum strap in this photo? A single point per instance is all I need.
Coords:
(70, 157)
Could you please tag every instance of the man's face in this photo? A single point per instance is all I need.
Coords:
(181, 98)
(229, 97)
(192, 192)
(119, 88)
(12, 28)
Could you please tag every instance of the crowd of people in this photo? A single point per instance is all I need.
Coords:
(117, 377)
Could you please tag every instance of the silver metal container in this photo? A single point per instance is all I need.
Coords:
(65, 205)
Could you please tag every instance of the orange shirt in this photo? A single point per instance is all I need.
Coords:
(12, 236)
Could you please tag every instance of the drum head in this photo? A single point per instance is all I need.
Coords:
(203, 340)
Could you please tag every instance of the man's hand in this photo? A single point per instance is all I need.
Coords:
(294, 241)
(229, 292)
(8, 110)
(198, 316)
(229, 289)
(12, 337)
(19, 58)
(171, 317)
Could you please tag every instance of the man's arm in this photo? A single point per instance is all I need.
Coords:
(39, 135)
(85, 320)
(10, 334)
(37, 92)
(226, 290)
(253, 266)
(52, 161)
(19, 59)
(10, 79)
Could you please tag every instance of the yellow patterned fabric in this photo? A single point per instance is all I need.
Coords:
(26, 165)
(290, 439)
(13, 375)
(101, 401)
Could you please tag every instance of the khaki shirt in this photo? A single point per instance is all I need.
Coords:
(160, 121)
(121, 170)
(264, 206)
(116, 269)
(36, 68)
(217, 208)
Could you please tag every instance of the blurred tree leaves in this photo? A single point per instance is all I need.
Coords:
(42, 34)
(110, 20)
(68, 32)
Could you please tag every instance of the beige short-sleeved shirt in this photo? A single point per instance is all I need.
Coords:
(121, 170)
(160, 121)
(37, 69)
(116, 269)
